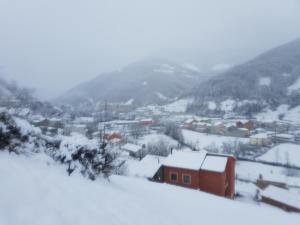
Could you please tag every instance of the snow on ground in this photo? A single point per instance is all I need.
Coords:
(294, 87)
(251, 171)
(202, 141)
(284, 154)
(146, 168)
(271, 116)
(264, 81)
(228, 105)
(34, 192)
(247, 190)
(293, 115)
(178, 106)
(75, 141)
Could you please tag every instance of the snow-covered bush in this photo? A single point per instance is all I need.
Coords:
(17, 135)
(160, 148)
(87, 156)
(175, 132)
(77, 151)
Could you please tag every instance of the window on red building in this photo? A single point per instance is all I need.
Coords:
(174, 176)
(186, 179)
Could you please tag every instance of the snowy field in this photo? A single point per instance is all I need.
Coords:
(178, 106)
(202, 141)
(38, 192)
(284, 154)
(251, 171)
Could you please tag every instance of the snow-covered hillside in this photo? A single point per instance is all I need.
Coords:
(284, 154)
(261, 84)
(36, 191)
(205, 141)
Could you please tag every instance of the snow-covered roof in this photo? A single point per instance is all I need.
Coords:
(191, 120)
(218, 123)
(186, 159)
(131, 147)
(282, 195)
(287, 136)
(55, 119)
(84, 119)
(146, 120)
(147, 167)
(79, 126)
(215, 163)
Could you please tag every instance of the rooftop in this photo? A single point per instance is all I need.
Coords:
(214, 163)
(131, 147)
(186, 159)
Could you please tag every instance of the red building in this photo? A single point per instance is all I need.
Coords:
(199, 170)
(112, 136)
(248, 125)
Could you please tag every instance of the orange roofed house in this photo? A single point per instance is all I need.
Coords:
(199, 170)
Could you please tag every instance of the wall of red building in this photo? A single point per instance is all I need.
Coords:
(193, 173)
(222, 184)
(212, 182)
(230, 176)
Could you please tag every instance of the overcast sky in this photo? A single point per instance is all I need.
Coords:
(52, 45)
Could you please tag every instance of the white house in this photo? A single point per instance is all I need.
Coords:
(133, 150)
(261, 139)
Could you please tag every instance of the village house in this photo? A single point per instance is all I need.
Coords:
(114, 139)
(261, 139)
(146, 122)
(75, 128)
(134, 150)
(249, 125)
(202, 127)
(49, 127)
(280, 198)
(189, 123)
(201, 170)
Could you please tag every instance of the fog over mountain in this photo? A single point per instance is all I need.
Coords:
(149, 81)
(268, 81)
(55, 45)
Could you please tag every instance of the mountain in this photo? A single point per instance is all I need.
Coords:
(150, 81)
(267, 82)
(21, 100)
